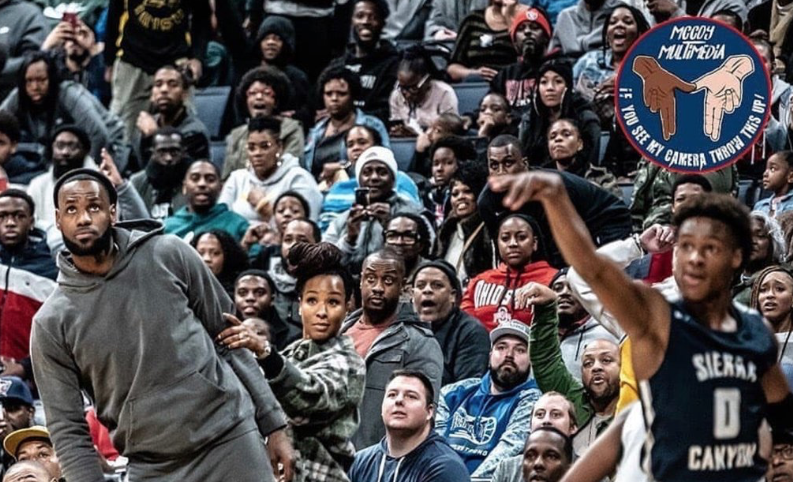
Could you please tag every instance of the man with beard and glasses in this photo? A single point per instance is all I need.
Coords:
(576, 327)
(530, 32)
(201, 187)
(595, 396)
(168, 381)
(160, 184)
(371, 57)
(486, 420)
(169, 95)
(387, 338)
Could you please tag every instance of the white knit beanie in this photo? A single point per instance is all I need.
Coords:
(376, 153)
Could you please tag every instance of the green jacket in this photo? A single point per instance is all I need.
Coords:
(184, 222)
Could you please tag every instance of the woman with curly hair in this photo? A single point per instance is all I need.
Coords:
(318, 379)
(221, 253)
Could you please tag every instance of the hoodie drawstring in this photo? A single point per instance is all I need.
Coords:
(382, 468)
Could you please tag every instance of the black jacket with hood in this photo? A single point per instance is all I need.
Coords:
(480, 254)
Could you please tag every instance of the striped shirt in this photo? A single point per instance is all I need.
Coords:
(478, 45)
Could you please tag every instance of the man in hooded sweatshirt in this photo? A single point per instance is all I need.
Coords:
(410, 451)
(176, 402)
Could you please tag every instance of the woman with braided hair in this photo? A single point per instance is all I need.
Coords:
(318, 379)
(772, 296)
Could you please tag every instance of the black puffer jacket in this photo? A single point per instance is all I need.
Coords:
(479, 255)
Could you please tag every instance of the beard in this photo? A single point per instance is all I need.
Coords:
(506, 381)
(79, 56)
(100, 245)
(379, 315)
(59, 169)
(165, 177)
(604, 397)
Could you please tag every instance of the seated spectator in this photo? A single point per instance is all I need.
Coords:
(606, 217)
(504, 396)
(254, 294)
(463, 340)
(577, 329)
(160, 183)
(318, 380)
(483, 45)
(339, 89)
(411, 237)
(288, 206)
(223, 256)
(251, 191)
(596, 394)
(341, 196)
(203, 212)
(447, 154)
(495, 117)
(25, 29)
(419, 96)
(29, 271)
(373, 58)
(662, 10)
(768, 249)
(578, 27)
(530, 33)
(410, 448)
(359, 231)
(565, 147)
(388, 339)
(548, 455)
(730, 17)
(446, 17)
(557, 100)
(781, 466)
(29, 471)
(34, 443)
(42, 102)
(445, 125)
(168, 96)
(551, 410)
(772, 296)
(262, 92)
(463, 240)
(595, 73)
(492, 296)
(777, 178)
(18, 411)
(19, 167)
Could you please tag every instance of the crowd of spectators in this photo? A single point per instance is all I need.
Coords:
(435, 362)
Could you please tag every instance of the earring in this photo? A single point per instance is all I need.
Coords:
(279, 162)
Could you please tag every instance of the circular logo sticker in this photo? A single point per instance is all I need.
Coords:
(692, 95)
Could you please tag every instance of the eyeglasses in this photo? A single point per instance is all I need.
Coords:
(407, 237)
(413, 89)
(785, 452)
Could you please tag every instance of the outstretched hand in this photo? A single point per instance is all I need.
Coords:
(532, 294)
(526, 186)
(659, 91)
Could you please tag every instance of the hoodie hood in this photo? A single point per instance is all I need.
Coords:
(288, 162)
(282, 27)
(126, 236)
(433, 437)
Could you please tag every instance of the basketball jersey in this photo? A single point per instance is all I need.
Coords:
(704, 405)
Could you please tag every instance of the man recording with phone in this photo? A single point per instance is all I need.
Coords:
(359, 232)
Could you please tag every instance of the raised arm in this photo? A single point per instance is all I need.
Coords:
(641, 311)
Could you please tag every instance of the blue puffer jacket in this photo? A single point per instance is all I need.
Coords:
(483, 428)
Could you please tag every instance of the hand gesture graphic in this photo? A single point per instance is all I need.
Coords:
(659, 91)
(724, 87)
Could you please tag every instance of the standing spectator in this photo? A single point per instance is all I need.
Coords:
(251, 192)
(486, 420)
(419, 97)
(22, 31)
(201, 187)
(483, 45)
(169, 96)
(579, 27)
(557, 100)
(410, 448)
(409, 235)
(530, 33)
(225, 405)
(318, 380)
(29, 271)
(446, 17)
(141, 38)
(387, 338)
(262, 92)
(492, 297)
(372, 57)
(160, 183)
(463, 340)
(463, 240)
(41, 103)
(223, 256)
(339, 88)
(19, 167)
(565, 147)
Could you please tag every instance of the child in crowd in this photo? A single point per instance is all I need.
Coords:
(777, 178)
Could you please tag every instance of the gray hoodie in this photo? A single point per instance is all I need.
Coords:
(139, 341)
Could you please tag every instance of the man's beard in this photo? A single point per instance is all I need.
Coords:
(101, 245)
(604, 398)
(79, 56)
(366, 44)
(59, 169)
(378, 316)
(165, 177)
(507, 381)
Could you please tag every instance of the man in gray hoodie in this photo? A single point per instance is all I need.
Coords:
(132, 324)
